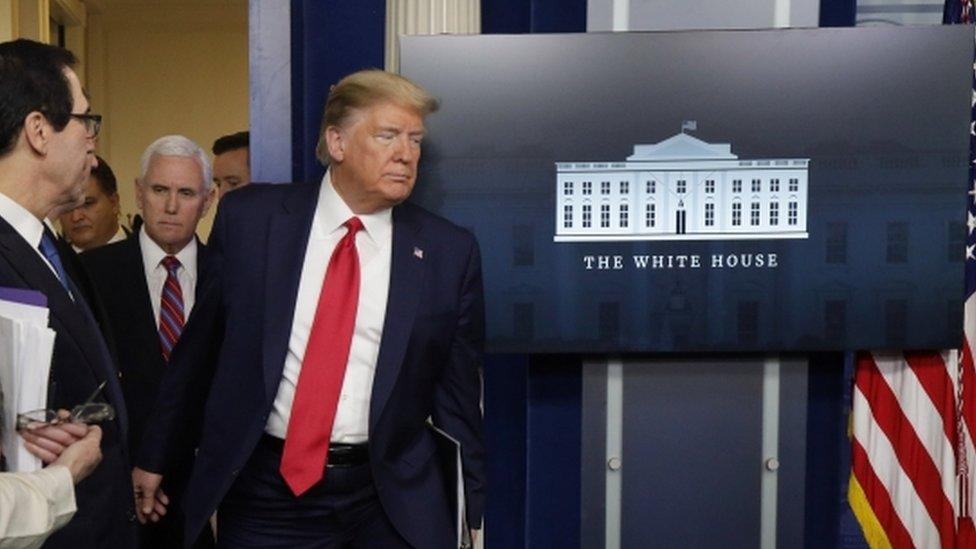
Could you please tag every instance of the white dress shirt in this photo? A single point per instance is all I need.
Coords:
(27, 226)
(374, 246)
(152, 255)
(33, 505)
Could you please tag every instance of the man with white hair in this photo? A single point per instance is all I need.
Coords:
(148, 284)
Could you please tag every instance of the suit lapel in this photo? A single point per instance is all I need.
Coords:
(406, 279)
(76, 319)
(37, 275)
(287, 239)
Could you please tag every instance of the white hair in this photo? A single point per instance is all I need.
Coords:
(177, 145)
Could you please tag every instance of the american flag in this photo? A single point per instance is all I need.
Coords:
(913, 417)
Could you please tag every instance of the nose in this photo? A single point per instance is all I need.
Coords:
(77, 215)
(171, 203)
(403, 150)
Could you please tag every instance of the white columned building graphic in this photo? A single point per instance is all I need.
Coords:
(682, 189)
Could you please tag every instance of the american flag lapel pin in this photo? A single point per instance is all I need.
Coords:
(418, 253)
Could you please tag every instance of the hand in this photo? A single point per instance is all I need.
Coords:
(47, 441)
(151, 502)
(81, 457)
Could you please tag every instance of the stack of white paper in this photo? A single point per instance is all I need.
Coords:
(26, 346)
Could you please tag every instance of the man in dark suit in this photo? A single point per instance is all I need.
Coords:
(173, 192)
(46, 154)
(338, 320)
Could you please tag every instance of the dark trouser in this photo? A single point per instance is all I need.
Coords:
(341, 511)
(168, 534)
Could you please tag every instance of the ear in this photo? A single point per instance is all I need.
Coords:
(336, 141)
(37, 132)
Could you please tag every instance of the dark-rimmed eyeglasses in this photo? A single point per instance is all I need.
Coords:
(92, 122)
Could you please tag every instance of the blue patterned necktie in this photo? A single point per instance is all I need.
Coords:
(50, 251)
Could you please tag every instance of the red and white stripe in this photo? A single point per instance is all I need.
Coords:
(912, 449)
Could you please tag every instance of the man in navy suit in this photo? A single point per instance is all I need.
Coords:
(173, 191)
(338, 322)
(47, 141)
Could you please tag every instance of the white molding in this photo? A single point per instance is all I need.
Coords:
(614, 453)
(770, 452)
(427, 17)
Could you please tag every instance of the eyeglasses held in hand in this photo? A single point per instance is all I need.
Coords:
(88, 412)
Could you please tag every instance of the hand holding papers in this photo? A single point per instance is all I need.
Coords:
(26, 346)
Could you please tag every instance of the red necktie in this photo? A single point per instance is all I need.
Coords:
(170, 307)
(314, 408)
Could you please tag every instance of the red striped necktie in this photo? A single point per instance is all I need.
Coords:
(170, 307)
(313, 410)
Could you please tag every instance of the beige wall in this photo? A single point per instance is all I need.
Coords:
(162, 68)
(8, 20)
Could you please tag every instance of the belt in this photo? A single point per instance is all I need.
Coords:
(340, 455)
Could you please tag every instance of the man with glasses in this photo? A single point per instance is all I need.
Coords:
(47, 146)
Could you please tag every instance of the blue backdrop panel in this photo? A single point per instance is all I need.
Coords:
(838, 13)
(554, 442)
(532, 16)
(329, 41)
(506, 410)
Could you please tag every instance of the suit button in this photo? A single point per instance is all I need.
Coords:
(120, 375)
(234, 472)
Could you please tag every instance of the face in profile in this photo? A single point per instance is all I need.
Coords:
(375, 156)
(72, 150)
(172, 197)
(231, 170)
(96, 221)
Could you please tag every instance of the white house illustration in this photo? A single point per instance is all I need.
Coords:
(681, 189)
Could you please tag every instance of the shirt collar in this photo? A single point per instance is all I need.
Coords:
(119, 236)
(27, 226)
(334, 212)
(152, 254)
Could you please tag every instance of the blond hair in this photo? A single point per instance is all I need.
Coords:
(363, 89)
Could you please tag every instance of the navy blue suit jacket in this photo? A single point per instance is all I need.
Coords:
(428, 364)
(81, 362)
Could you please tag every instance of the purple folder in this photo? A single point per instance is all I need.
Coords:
(24, 296)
